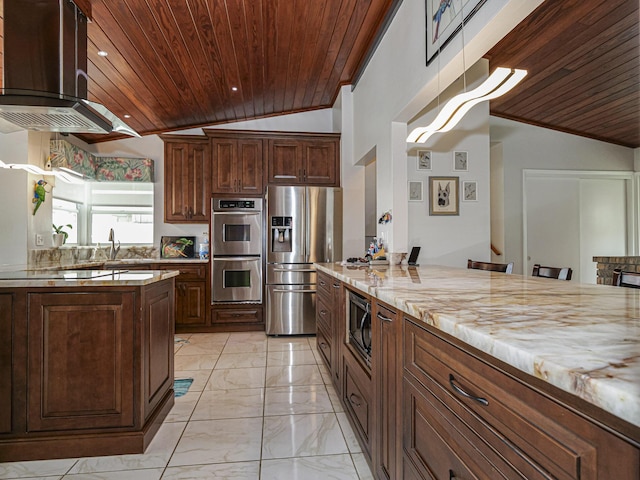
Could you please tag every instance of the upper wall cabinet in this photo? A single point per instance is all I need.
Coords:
(304, 160)
(237, 165)
(187, 176)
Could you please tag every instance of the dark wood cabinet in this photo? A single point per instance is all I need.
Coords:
(237, 165)
(465, 417)
(6, 353)
(91, 369)
(387, 374)
(192, 303)
(236, 318)
(187, 177)
(357, 397)
(304, 161)
(331, 326)
(80, 368)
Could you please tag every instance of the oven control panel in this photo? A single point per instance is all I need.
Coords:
(237, 204)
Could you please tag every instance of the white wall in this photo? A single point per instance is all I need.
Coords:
(397, 85)
(451, 240)
(529, 147)
(15, 200)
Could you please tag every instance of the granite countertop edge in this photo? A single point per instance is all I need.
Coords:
(80, 278)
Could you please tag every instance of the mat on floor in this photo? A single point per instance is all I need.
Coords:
(181, 386)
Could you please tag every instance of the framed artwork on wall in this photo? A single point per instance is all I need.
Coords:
(415, 191)
(469, 191)
(444, 198)
(424, 159)
(460, 161)
(444, 21)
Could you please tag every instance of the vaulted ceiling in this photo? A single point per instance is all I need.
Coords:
(174, 64)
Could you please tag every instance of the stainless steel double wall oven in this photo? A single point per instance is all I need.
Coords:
(236, 250)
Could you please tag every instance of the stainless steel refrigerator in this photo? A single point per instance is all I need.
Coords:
(304, 225)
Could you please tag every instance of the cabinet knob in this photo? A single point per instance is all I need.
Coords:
(355, 399)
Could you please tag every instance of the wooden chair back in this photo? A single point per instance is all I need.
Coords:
(560, 273)
(493, 267)
(626, 279)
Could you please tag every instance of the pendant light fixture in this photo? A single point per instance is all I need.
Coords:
(499, 82)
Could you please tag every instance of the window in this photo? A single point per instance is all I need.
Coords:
(96, 207)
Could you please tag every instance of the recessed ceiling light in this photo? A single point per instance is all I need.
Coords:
(234, 89)
(126, 115)
(102, 53)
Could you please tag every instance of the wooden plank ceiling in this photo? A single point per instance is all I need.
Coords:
(173, 64)
(176, 64)
(583, 58)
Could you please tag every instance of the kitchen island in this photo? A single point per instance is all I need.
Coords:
(552, 369)
(86, 361)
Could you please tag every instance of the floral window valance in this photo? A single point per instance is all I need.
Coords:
(102, 169)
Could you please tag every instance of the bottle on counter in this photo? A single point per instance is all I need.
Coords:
(203, 250)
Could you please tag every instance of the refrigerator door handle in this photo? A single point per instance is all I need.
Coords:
(294, 270)
(279, 290)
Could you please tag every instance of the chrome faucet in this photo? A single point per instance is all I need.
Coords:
(113, 250)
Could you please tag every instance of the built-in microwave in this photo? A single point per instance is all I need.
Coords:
(359, 321)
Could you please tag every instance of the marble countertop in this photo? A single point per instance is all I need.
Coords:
(79, 278)
(583, 339)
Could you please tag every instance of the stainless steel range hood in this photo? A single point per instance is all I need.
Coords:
(44, 71)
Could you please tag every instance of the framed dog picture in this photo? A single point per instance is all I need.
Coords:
(444, 196)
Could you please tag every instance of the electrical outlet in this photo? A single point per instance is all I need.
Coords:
(39, 240)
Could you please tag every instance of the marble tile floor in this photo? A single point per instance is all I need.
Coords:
(259, 408)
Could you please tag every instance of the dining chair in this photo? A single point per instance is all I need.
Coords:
(559, 273)
(626, 279)
(493, 267)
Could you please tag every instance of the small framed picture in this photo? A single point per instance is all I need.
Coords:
(460, 162)
(415, 191)
(444, 198)
(470, 191)
(424, 159)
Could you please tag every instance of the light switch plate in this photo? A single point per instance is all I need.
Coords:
(39, 240)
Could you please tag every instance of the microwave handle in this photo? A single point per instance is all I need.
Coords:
(362, 322)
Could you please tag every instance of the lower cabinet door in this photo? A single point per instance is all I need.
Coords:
(81, 361)
(191, 308)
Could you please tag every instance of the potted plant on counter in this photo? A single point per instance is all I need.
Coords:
(59, 235)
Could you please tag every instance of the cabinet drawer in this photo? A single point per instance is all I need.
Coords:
(323, 315)
(187, 272)
(356, 397)
(325, 290)
(537, 436)
(236, 316)
(324, 346)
